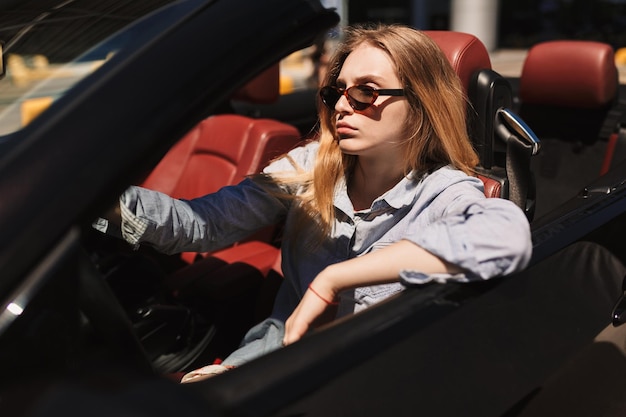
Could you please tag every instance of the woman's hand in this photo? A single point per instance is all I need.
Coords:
(316, 308)
(378, 267)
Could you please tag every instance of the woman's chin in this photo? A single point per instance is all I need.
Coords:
(348, 145)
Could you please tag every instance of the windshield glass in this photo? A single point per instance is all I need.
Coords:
(50, 46)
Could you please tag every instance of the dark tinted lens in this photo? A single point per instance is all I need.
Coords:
(361, 96)
(330, 96)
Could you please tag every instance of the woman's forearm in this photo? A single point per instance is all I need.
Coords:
(379, 267)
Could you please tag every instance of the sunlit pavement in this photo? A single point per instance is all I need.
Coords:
(509, 63)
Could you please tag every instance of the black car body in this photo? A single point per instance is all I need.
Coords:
(504, 347)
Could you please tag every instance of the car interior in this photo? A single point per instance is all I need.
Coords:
(212, 299)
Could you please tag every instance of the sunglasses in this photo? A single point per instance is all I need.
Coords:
(360, 97)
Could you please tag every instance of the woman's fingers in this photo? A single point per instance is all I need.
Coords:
(311, 312)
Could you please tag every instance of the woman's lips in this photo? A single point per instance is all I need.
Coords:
(344, 129)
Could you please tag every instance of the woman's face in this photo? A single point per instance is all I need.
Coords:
(377, 131)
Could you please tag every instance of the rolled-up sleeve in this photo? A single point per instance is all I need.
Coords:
(202, 224)
(215, 220)
(486, 237)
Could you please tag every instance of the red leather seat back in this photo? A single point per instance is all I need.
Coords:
(568, 88)
(466, 53)
(221, 150)
(495, 185)
(569, 73)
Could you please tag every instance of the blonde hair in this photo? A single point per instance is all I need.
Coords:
(436, 129)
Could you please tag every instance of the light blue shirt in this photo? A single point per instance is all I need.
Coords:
(444, 212)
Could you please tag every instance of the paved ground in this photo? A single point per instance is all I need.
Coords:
(509, 62)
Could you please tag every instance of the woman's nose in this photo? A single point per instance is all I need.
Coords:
(343, 106)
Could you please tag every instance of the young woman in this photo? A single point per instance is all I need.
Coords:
(385, 196)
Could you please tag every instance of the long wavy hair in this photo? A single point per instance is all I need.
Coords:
(435, 130)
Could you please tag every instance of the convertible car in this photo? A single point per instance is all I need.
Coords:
(183, 97)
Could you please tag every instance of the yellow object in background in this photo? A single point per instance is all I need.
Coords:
(32, 107)
(286, 84)
(620, 56)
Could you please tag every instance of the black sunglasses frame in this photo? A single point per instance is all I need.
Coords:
(330, 95)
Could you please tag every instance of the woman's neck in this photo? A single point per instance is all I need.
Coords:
(370, 181)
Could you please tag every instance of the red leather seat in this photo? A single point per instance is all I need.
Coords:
(569, 92)
(221, 150)
(574, 74)
(466, 53)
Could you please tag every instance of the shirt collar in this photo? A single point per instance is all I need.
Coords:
(402, 194)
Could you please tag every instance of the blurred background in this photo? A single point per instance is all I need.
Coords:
(499, 23)
(506, 27)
